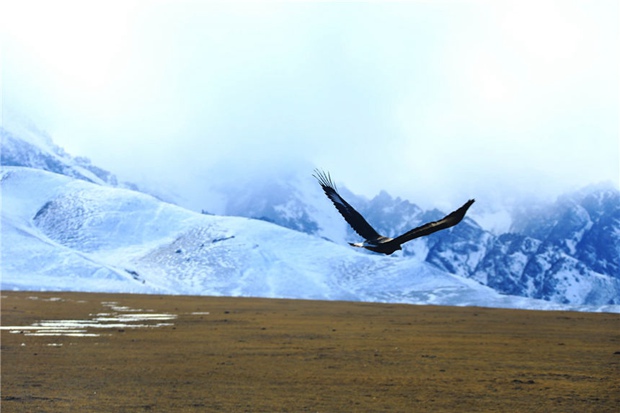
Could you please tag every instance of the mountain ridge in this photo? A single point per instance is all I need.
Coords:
(566, 252)
(78, 236)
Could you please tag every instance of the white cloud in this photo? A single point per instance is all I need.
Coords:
(431, 101)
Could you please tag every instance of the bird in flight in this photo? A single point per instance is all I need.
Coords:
(373, 241)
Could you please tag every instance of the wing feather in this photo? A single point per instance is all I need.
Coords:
(353, 218)
(448, 221)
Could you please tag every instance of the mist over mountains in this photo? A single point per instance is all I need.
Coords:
(565, 253)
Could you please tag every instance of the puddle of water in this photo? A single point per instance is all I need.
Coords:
(137, 318)
(129, 318)
(61, 333)
(113, 305)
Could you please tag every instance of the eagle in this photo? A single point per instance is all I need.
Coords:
(373, 241)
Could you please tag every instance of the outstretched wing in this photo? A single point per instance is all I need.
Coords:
(353, 218)
(448, 221)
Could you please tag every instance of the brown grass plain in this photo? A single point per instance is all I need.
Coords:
(266, 355)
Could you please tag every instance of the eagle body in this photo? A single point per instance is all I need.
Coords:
(383, 245)
(373, 241)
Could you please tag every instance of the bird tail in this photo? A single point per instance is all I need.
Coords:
(356, 244)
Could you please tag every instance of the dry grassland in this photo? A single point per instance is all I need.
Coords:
(262, 355)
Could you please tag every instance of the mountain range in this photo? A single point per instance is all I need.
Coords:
(69, 225)
(567, 251)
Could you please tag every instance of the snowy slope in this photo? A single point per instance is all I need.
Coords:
(60, 233)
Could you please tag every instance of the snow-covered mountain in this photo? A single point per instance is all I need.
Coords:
(24, 144)
(567, 252)
(288, 199)
(60, 233)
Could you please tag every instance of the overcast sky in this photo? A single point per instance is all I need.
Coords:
(432, 101)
